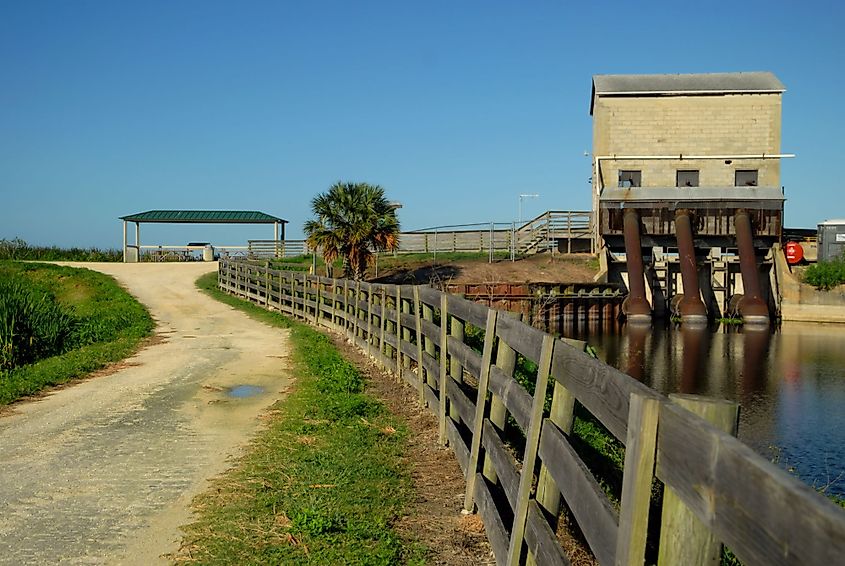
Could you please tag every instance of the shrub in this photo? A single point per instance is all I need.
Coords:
(826, 274)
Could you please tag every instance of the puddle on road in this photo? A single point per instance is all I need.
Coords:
(241, 391)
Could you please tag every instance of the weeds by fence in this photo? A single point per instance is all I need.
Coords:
(521, 458)
(18, 249)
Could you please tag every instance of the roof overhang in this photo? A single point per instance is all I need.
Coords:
(203, 217)
(705, 84)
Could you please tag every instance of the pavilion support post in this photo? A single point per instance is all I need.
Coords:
(124, 241)
(276, 239)
(138, 239)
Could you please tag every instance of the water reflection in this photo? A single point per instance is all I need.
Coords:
(790, 384)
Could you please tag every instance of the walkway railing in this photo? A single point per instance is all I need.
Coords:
(461, 358)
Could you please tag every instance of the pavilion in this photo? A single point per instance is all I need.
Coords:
(195, 217)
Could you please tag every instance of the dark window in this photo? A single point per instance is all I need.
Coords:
(746, 178)
(630, 179)
(688, 178)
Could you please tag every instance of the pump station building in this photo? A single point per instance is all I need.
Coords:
(687, 198)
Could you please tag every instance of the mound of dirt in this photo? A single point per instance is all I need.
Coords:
(541, 268)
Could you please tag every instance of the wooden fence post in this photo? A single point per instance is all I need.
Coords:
(428, 343)
(562, 414)
(370, 321)
(456, 370)
(532, 444)
(334, 302)
(505, 361)
(683, 538)
(444, 349)
(399, 333)
(357, 312)
(292, 296)
(314, 285)
(480, 402)
(418, 319)
(281, 291)
(267, 288)
(346, 308)
(640, 452)
(406, 333)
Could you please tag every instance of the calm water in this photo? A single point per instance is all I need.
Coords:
(790, 384)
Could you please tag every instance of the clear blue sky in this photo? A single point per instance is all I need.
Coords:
(110, 108)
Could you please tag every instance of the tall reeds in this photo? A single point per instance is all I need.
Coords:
(32, 324)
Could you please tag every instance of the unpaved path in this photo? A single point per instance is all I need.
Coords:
(103, 472)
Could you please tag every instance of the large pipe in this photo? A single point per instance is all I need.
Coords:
(636, 306)
(690, 307)
(752, 307)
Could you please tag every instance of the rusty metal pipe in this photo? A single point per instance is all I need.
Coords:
(752, 307)
(690, 307)
(636, 306)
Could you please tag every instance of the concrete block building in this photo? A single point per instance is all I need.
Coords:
(698, 153)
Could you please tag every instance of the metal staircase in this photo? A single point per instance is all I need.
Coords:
(551, 229)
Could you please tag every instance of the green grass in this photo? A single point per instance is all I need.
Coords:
(323, 484)
(17, 249)
(106, 325)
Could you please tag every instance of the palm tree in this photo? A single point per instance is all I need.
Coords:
(354, 220)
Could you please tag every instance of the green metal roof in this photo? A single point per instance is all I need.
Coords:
(204, 217)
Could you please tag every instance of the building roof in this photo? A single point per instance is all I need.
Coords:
(204, 217)
(756, 82)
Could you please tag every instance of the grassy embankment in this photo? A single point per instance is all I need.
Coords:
(323, 484)
(59, 323)
(17, 249)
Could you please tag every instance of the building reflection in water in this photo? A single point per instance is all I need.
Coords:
(790, 383)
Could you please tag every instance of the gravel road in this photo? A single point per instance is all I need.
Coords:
(103, 472)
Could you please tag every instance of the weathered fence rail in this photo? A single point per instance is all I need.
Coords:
(461, 356)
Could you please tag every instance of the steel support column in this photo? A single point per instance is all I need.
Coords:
(635, 307)
(690, 307)
(752, 307)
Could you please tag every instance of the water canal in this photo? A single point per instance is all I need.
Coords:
(789, 383)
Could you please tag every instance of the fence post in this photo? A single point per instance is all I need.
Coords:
(456, 370)
(562, 414)
(399, 333)
(505, 361)
(406, 334)
(293, 296)
(418, 319)
(683, 538)
(640, 451)
(532, 444)
(370, 320)
(428, 343)
(346, 308)
(334, 302)
(357, 330)
(444, 348)
(319, 299)
(267, 288)
(480, 402)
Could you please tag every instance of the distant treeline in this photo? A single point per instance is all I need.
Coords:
(19, 249)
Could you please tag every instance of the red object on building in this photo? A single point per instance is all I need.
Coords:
(794, 252)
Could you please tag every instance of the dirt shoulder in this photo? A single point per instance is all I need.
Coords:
(104, 471)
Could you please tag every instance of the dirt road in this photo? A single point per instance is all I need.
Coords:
(103, 472)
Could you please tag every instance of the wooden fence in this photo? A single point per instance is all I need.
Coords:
(461, 356)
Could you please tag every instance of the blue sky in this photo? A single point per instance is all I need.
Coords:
(455, 108)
